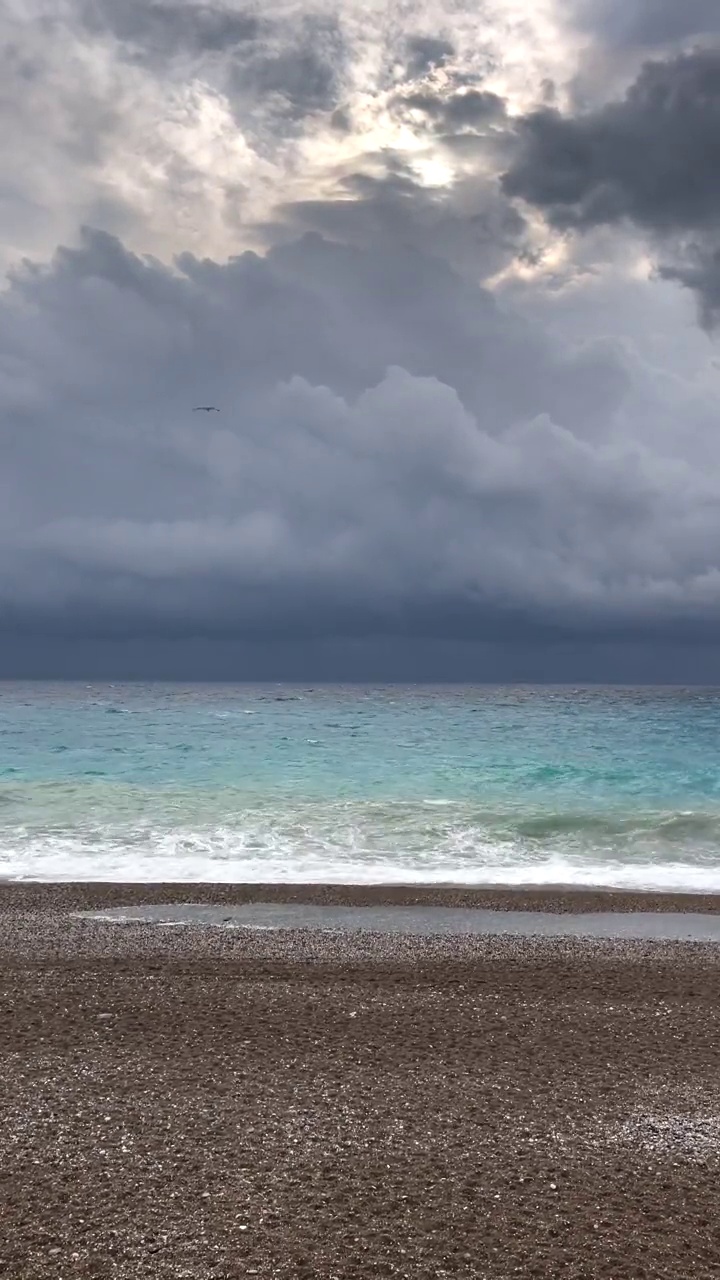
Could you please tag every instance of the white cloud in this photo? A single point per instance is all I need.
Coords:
(178, 124)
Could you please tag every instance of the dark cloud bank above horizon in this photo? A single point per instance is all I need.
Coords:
(462, 434)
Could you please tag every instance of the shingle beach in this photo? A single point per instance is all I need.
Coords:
(201, 1102)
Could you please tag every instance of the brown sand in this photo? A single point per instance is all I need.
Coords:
(205, 1103)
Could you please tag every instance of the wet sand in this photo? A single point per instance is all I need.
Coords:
(200, 1102)
(28, 896)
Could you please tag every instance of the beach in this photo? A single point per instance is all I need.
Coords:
(213, 1102)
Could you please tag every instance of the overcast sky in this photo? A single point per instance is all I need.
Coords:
(451, 274)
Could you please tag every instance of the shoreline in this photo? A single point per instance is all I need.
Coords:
(60, 896)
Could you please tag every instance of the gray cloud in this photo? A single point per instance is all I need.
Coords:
(181, 124)
(699, 270)
(471, 108)
(304, 75)
(161, 31)
(406, 469)
(652, 159)
(395, 456)
(173, 125)
(648, 23)
(473, 226)
(424, 53)
(374, 659)
(291, 66)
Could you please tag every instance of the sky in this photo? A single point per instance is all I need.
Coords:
(451, 274)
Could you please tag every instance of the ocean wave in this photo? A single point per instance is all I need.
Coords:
(217, 837)
(69, 861)
(104, 828)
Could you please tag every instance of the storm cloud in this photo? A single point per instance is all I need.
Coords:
(378, 466)
(165, 30)
(465, 404)
(648, 24)
(471, 108)
(652, 159)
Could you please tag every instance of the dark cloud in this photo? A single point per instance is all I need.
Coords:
(161, 31)
(288, 68)
(649, 23)
(383, 659)
(468, 109)
(406, 476)
(395, 456)
(471, 224)
(304, 74)
(425, 53)
(341, 120)
(653, 158)
(700, 271)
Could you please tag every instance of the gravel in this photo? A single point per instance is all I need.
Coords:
(204, 1103)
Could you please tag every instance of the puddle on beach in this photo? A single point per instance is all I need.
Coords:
(419, 921)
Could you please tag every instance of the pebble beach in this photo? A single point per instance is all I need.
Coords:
(209, 1103)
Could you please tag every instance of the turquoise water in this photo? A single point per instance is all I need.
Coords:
(617, 787)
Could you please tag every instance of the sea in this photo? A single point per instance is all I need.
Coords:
(448, 785)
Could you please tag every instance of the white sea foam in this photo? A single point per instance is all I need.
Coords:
(228, 856)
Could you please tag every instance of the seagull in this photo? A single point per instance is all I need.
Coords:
(205, 408)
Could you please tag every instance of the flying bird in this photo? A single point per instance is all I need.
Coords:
(205, 408)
